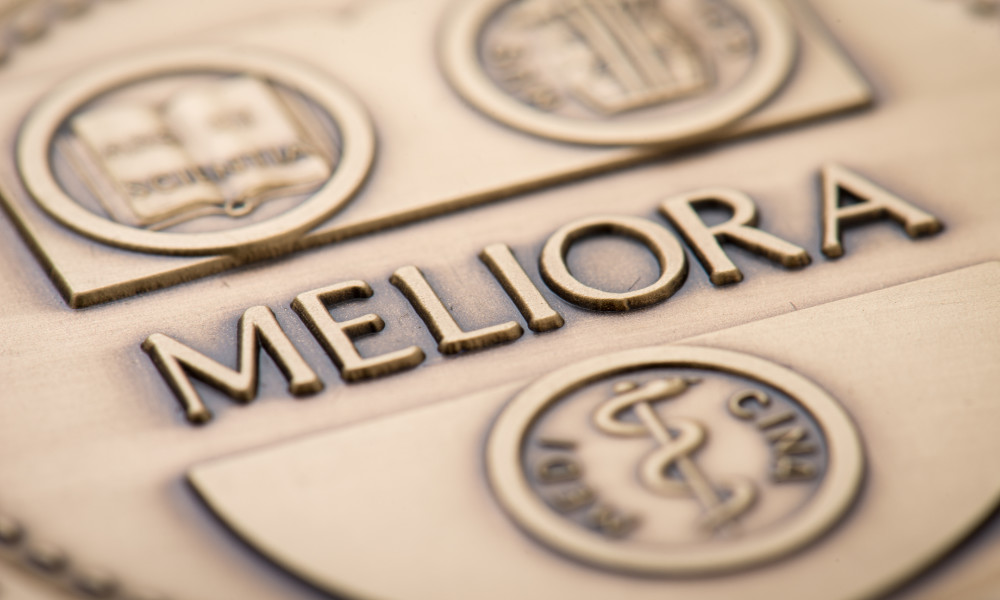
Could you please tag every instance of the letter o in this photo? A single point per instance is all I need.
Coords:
(663, 245)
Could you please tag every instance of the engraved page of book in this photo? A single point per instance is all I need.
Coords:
(133, 147)
(238, 128)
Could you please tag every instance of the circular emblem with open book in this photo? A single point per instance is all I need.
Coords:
(196, 151)
(618, 72)
(675, 461)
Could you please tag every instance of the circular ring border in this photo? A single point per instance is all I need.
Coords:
(352, 120)
(845, 470)
(459, 56)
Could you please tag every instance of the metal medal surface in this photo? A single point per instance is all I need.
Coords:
(599, 514)
(423, 158)
(499, 299)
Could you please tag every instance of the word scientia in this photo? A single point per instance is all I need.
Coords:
(258, 327)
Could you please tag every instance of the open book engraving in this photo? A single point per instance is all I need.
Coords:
(220, 148)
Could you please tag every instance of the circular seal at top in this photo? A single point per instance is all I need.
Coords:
(196, 151)
(675, 461)
(618, 72)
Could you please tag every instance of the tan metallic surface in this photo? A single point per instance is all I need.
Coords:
(423, 142)
(94, 446)
(421, 470)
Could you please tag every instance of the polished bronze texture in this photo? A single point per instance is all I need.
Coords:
(499, 299)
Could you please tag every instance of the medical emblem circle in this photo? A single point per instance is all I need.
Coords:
(675, 460)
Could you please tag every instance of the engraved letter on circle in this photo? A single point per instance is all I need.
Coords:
(663, 245)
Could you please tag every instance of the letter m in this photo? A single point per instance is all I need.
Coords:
(258, 327)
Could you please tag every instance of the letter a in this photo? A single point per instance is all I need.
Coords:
(875, 203)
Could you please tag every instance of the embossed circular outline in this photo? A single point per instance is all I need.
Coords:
(39, 130)
(663, 245)
(459, 57)
(834, 496)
